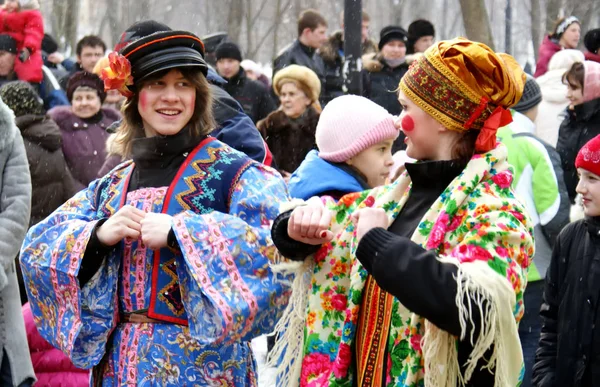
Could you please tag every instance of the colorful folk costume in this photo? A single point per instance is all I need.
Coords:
(177, 316)
(435, 299)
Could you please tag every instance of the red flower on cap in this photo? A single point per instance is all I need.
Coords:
(118, 75)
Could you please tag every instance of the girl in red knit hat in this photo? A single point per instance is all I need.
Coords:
(569, 350)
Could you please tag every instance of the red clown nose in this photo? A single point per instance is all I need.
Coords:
(408, 125)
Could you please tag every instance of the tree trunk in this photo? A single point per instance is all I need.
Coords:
(278, 17)
(234, 19)
(476, 21)
(71, 22)
(536, 27)
(553, 8)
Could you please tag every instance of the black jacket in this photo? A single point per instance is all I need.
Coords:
(301, 55)
(569, 350)
(332, 53)
(404, 269)
(580, 126)
(252, 95)
(380, 82)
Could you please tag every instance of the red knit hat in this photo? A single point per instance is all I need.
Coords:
(588, 157)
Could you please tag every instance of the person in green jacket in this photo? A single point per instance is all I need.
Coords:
(539, 184)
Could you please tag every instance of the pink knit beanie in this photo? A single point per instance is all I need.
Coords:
(350, 124)
(591, 82)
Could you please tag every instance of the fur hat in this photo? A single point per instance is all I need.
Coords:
(304, 77)
(592, 41)
(564, 59)
(390, 33)
(20, 97)
(49, 44)
(420, 28)
(588, 157)
(350, 124)
(85, 79)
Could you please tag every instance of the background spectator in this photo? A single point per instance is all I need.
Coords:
(23, 20)
(421, 35)
(332, 53)
(90, 49)
(51, 366)
(254, 72)
(15, 207)
(312, 34)
(252, 95)
(51, 182)
(583, 120)
(566, 34)
(53, 59)
(553, 108)
(8, 56)
(539, 184)
(290, 131)
(591, 40)
(114, 99)
(83, 126)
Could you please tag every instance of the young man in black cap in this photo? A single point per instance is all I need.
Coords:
(592, 44)
(312, 34)
(252, 95)
(421, 35)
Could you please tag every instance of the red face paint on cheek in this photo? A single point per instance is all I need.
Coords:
(408, 124)
(143, 100)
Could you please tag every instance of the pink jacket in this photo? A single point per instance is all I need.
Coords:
(547, 49)
(52, 367)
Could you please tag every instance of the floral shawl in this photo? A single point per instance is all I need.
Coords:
(477, 225)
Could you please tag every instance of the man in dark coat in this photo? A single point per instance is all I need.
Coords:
(332, 53)
(252, 95)
(312, 34)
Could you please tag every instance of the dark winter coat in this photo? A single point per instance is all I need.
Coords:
(84, 141)
(332, 53)
(380, 82)
(580, 126)
(548, 48)
(51, 181)
(252, 95)
(290, 140)
(569, 350)
(301, 55)
(27, 28)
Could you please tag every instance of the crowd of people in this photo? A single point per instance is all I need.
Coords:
(167, 202)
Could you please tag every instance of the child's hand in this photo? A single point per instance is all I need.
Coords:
(24, 55)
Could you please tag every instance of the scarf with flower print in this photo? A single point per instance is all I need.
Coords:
(477, 225)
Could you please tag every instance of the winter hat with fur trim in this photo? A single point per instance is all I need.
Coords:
(588, 157)
(350, 124)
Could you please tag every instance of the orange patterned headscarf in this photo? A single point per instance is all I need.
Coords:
(465, 85)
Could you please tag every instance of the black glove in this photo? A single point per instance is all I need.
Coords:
(24, 55)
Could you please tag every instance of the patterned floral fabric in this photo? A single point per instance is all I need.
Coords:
(476, 224)
(229, 293)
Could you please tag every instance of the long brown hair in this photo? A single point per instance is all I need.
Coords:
(464, 148)
(575, 76)
(201, 123)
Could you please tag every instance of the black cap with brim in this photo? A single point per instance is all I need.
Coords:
(162, 51)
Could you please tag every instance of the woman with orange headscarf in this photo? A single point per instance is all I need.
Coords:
(418, 283)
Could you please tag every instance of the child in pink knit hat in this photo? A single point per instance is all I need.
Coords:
(354, 136)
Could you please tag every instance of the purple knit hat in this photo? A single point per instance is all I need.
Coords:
(350, 124)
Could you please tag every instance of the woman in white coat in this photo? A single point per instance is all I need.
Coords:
(551, 111)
